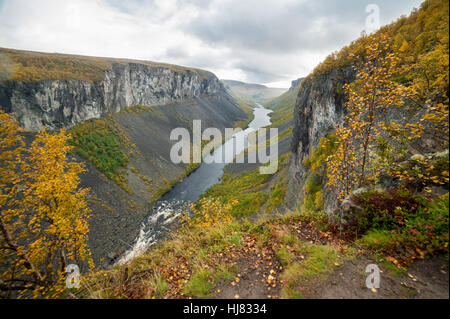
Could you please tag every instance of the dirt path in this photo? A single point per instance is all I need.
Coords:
(260, 276)
(254, 281)
(425, 279)
(257, 276)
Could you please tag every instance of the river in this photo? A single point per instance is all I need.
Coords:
(172, 204)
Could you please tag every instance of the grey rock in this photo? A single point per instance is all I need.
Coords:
(348, 211)
(319, 106)
(111, 255)
(442, 155)
(64, 103)
(296, 84)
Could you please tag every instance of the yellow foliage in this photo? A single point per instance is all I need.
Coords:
(420, 41)
(318, 200)
(44, 216)
(208, 212)
(369, 97)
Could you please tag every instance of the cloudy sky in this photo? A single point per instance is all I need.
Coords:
(261, 41)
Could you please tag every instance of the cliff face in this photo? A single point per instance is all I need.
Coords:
(64, 103)
(296, 84)
(319, 106)
(320, 102)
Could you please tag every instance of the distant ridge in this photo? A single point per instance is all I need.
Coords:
(251, 92)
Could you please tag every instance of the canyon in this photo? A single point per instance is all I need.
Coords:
(166, 96)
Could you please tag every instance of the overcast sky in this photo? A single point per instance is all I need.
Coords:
(260, 41)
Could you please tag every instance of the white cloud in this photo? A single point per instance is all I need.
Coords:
(265, 41)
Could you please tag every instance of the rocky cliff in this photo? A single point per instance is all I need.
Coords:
(64, 103)
(320, 102)
(296, 84)
(319, 106)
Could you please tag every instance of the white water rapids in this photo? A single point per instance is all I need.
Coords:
(173, 203)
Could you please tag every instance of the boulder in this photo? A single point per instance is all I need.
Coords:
(347, 212)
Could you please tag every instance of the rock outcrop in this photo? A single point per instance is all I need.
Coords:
(296, 84)
(64, 103)
(319, 106)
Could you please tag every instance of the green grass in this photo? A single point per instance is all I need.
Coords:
(246, 189)
(200, 285)
(170, 184)
(223, 272)
(159, 285)
(285, 256)
(283, 107)
(246, 107)
(277, 194)
(287, 132)
(138, 108)
(378, 240)
(316, 164)
(320, 260)
(102, 144)
(103, 150)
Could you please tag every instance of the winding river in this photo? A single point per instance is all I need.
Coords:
(172, 204)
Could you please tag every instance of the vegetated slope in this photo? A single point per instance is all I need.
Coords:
(257, 254)
(251, 93)
(419, 40)
(282, 119)
(283, 105)
(20, 65)
(120, 114)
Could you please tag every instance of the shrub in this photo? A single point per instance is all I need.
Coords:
(397, 221)
(101, 144)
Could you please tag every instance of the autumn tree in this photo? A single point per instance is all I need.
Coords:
(369, 97)
(207, 213)
(44, 214)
